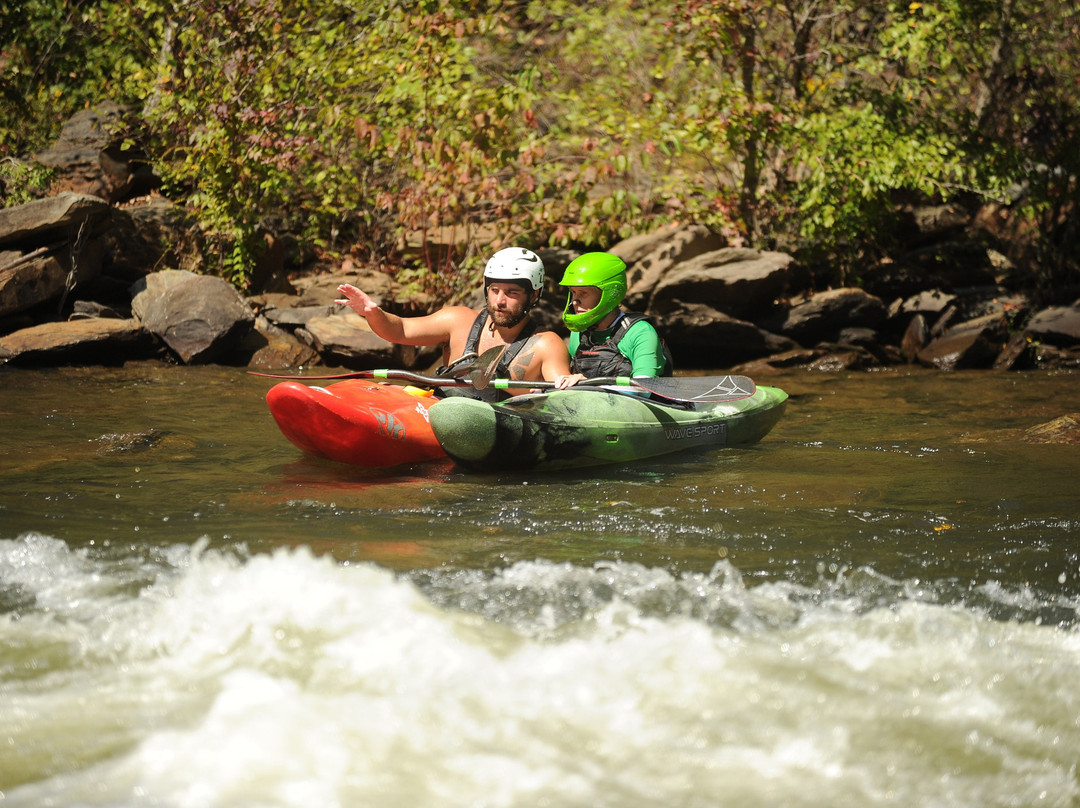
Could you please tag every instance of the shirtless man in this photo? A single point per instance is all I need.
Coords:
(513, 282)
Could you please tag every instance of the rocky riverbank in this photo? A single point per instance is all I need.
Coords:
(83, 281)
(105, 271)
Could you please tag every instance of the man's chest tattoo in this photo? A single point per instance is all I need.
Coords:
(520, 366)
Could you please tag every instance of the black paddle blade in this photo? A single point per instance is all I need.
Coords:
(699, 389)
(459, 368)
(485, 366)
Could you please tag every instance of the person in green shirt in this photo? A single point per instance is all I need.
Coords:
(604, 339)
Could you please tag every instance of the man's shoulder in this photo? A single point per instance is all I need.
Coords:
(549, 338)
(640, 324)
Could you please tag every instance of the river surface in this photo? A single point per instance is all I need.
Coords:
(879, 604)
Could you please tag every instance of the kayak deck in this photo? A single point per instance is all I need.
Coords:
(584, 426)
(360, 422)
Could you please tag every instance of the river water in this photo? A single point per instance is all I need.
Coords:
(876, 605)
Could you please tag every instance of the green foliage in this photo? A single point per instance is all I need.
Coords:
(418, 136)
(345, 124)
(22, 181)
(58, 57)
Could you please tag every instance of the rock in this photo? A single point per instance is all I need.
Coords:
(702, 337)
(280, 349)
(1065, 429)
(928, 304)
(949, 266)
(971, 344)
(1059, 325)
(55, 219)
(915, 338)
(798, 357)
(292, 319)
(321, 289)
(1018, 354)
(199, 317)
(945, 320)
(838, 358)
(345, 339)
(867, 340)
(740, 283)
(88, 159)
(826, 313)
(1050, 357)
(650, 256)
(67, 244)
(100, 341)
(90, 310)
(29, 280)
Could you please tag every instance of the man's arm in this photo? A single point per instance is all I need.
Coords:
(544, 357)
(431, 329)
(555, 360)
(642, 346)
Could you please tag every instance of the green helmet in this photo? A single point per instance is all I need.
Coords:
(603, 270)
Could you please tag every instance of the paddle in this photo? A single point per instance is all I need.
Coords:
(684, 389)
(478, 369)
(688, 389)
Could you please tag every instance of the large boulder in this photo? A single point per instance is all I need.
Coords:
(702, 337)
(740, 283)
(280, 348)
(650, 256)
(200, 317)
(89, 158)
(49, 247)
(971, 344)
(29, 280)
(65, 217)
(69, 247)
(100, 341)
(950, 267)
(826, 314)
(1059, 325)
(345, 339)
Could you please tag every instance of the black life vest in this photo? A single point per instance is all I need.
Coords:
(502, 370)
(604, 358)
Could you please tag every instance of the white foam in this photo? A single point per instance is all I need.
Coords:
(288, 679)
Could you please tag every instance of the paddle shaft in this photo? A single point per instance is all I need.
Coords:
(479, 370)
(389, 375)
(688, 389)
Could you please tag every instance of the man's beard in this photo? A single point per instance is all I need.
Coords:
(507, 318)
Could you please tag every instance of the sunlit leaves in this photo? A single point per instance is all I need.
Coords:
(383, 129)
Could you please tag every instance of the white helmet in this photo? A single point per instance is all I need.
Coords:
(515, 264)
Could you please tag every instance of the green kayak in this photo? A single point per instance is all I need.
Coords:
(591, 426)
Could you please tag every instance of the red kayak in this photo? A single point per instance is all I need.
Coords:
(362, 422)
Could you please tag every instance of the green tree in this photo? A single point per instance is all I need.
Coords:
(347, 124)
(58, 57)
(418, 135)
